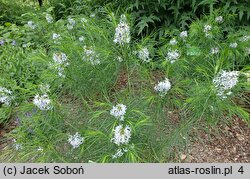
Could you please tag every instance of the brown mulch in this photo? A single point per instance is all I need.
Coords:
(231, 145)
(4, 129)
(122, 81)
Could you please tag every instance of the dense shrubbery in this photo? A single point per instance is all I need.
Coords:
(163, 15)
(81, 88)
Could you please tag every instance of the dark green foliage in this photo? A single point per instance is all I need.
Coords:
(40, 2)
(62, 8)
(169, 14)
(10, 11)
(148, 15)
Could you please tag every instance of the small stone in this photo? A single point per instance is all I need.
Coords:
(240, 137)
(217, 149)
(183, 156)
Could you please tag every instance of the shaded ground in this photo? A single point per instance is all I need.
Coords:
(232, 144)
(4, 141)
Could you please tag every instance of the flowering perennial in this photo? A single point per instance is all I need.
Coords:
(122, 32)
(60, 62)
(56, 37)
(206, 29)
(248, 51)
(75, 140)
(90, 55)
(40, 149)
(5, 96)
(173, 42)
(17, 145)
(233, 45)
(42, 102)
(118, 111)
(172, 56)
(119, 59)
(81, 39)
(44, 88)
(71, 23)
(121, 135)
(143, 54)
(119, 153)
(2, 42)
(219, 19)
(184, 34)
(31, 25)
(245, 38)
(163, 87)
(49, 18)
(224, 82)
(84, 20)
(60, 58)
(215, 50)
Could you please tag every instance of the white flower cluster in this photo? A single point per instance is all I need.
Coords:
(143, 54)
(84, 20)
(5, 96)
(44, 88)
(60, 58)
(56, 37)
(214, 50)
(163, 87)
(245, 38)
(173, 41)
(92, 15)
(60, 62)
(75, 140)
(233, 45)
(49, 18)
(119, 153)
(118, 111)
(247, 74)
(40, 149)
(122, 32)
(81, 39)
(122, 135)
(173, 55)
(207, 29)
(119, 59)
(42, 102)
(90, 55)
(248, 51)
(71, 23)
(184, 34)
(31, 25)
(219, 19)
(224, 82)
(16, 145)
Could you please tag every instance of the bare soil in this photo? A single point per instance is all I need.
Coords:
(231, 145)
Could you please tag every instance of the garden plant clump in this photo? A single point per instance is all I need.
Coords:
(102, 82)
